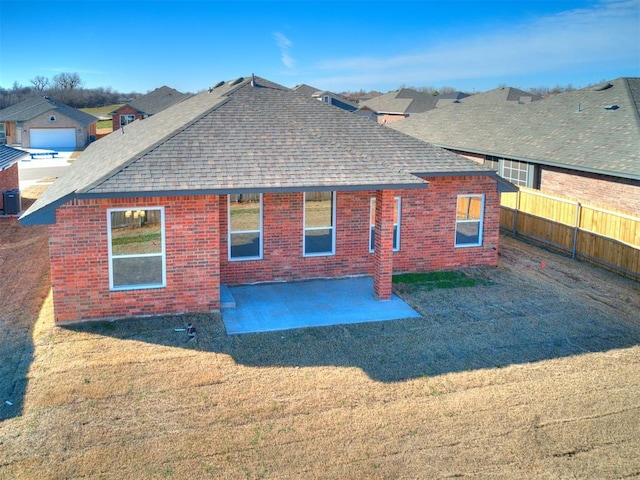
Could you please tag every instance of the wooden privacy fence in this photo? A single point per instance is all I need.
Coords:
(607, 238)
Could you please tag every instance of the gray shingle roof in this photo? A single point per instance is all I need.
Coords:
(9, 156)
(36, 106)
(501, 95)
(403, 101)
(243, 138)
(572, 130)
(157, 100)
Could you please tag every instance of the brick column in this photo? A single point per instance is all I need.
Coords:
(383, 265)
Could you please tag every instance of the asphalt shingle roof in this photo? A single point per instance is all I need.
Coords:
(9, 156)
(36, 106)
(401, 101)
(243, 138)
(157, 100)
(572, 130)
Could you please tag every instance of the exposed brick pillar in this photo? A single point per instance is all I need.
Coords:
(383, 265)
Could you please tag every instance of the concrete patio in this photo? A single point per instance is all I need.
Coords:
(313, 303)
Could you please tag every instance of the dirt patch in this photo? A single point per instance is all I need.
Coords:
(532, 373)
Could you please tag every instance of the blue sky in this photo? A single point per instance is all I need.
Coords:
(189, 45)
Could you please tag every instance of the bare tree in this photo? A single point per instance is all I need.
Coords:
(40, 83)
(66, 81)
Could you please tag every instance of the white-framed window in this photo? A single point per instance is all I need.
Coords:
(469, 219)
(396, 225)
(245, 226)
(518, 173)
(136, 248)
(52, 118)
(3, 133)
(126, 119)
(319, 223)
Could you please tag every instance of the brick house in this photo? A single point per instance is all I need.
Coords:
(252, 182)
(583, 144)
(146, 105)
(42, 122)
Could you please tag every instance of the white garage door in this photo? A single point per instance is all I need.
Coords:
(52, 137)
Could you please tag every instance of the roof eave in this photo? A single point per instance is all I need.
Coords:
(550, 163)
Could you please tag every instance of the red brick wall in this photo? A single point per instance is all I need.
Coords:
(80, 262)
(124, 110)
(9, 180)
(196, 225)
(608, 192)
(427, 234)
(386, 118)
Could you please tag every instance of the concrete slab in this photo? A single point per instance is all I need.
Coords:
(313, 303)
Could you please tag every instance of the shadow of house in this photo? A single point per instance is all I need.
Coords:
(450, 339)
(25, 286)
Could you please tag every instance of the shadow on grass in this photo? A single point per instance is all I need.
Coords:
(24, 286)
(397, 350)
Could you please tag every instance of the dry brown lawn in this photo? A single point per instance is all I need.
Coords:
(534, 375)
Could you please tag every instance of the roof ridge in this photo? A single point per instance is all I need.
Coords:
(632, 99)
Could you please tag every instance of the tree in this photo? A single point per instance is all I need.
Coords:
(40, 83)
(66, 81)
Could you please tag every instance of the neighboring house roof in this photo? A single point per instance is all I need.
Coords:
(36, 106)
(9, 156)
(501, 95)
(243, 138)
(401, 102)
(593, 130)
(157, 100)
(305, 89)
(336, 100)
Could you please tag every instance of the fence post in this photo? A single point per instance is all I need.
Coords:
(575, 230)
(515, 213)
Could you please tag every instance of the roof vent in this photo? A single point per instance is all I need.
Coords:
(611, 107)
(219, 84)
(236, 81)
(602, 87)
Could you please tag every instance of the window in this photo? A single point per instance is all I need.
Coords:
(492, 162)
(469, 215)
(396, 225)
(136, 248)
(126, 119)
(52, 118)
(319, 221)
(518, 173)
(3, 133)
(245, 226)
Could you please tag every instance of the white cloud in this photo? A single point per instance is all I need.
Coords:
(285, 46)
(605, 35)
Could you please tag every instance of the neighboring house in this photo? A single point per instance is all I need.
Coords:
(252, 182)
(327, 97)
(397, 105)
(500, 95)
(583, 144)
(9, 176)
(42, 122)
(146, 105)
(449, 98)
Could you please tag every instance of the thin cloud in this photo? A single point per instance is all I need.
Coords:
(285, 46)
(604, 35)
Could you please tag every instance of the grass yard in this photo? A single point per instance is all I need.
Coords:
(529, 373)
(102, 111)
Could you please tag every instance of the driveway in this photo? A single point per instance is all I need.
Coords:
(43, 170)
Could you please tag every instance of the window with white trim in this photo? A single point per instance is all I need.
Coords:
(469, 219)
(126, 119)
(319, 222)
(136, 248)
(245, 226)
(396, 225)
